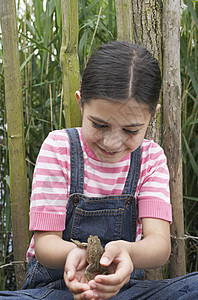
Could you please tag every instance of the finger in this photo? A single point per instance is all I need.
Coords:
(69, 273)
(97, 287)
(83, 296)
(88, 294)
(105, 292)
(122, 275)
(75, 286)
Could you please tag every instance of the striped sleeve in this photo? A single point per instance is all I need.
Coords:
(50, 184)
(153, 187)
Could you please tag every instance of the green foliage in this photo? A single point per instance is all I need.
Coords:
(189, 26)
(88, 17)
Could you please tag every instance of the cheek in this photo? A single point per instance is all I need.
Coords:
(134, 142)
(91, 135)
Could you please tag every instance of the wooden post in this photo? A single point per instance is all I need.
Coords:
(140, 22)
(16, 145)
(70, 62)
(172, 129)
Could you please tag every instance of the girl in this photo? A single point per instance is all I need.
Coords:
(104, 179)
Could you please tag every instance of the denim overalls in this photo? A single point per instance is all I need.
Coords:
(111, 218)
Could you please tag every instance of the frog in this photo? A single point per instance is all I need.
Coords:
(94, 251)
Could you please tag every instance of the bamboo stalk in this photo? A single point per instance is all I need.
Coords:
(61, 105)
(51, 106)
(14, 107)
(124, 16)
(69, 61)
(96, 27)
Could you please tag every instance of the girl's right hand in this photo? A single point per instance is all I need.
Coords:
(116, 257)
(74, 274)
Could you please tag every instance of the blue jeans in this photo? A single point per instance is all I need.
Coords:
(182, 288)
(41, 283)
(51, 288)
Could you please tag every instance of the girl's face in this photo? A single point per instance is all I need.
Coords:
(114, 129)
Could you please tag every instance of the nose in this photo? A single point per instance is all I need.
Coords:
(113, 140)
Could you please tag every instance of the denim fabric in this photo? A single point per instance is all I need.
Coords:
(111, 218)
(41, 283)
(181, 288)
(77, 162)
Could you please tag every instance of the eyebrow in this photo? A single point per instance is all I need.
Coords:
(128, 125)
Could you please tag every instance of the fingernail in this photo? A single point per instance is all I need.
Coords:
(93, 286)
(96, 295)
(104, 261)
(68, 274)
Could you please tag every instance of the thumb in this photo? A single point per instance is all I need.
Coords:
(70, 272)
(109, 255)
(72, 262)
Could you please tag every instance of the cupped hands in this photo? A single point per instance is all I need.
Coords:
(116, 257)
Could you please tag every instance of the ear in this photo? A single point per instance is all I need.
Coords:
(78, 98)
(157, 107)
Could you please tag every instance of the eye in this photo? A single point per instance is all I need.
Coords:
(99, 126)
(131, 132)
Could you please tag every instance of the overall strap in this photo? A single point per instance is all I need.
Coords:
(76, 161)
(133, 174)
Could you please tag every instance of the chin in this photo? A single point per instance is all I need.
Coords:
(112, 158)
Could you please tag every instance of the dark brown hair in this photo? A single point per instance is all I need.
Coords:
(120, 71)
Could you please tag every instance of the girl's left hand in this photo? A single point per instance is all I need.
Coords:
(74, 274)
(120, 266)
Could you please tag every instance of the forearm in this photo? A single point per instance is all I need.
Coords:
(51, 250)
(154, 250)
(151, 252)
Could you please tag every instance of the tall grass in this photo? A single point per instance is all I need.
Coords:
(40, 34)
(189, 26)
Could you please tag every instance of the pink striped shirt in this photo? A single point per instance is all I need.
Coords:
(51, 183)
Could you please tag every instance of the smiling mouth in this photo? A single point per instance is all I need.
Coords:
(108, 153)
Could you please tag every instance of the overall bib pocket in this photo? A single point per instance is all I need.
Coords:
(105, 223)
(105, 217)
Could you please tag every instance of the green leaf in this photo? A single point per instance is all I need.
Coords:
(193, 122)
(38, 44)
(26, 61)
(38, 10)
(58, 13)
(51, 7)
(190, 7)
(192, 160)
(190, 66)
(193, 98)
(191, 198)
